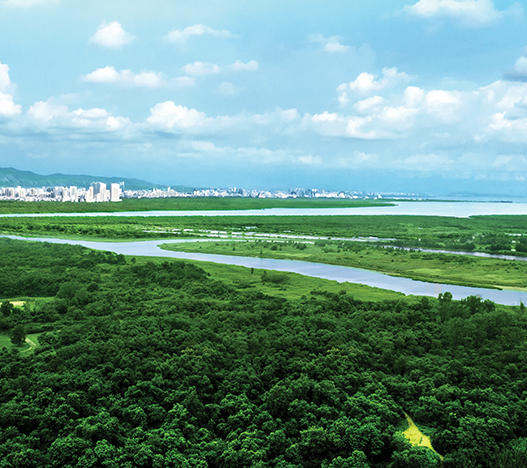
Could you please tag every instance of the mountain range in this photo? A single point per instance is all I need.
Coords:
(11, 177)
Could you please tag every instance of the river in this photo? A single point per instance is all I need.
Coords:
(318, 270)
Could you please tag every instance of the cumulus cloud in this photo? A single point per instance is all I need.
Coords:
(147, 79)
(53, 113)
(201, 68)
(169, 116)
(5, 82)
(329, 44)
(8, 108)
(182, 35)
(366, 82)
(472, 13)
(444, 104)
(204, 68)
(369, 105)
(111, 35)
(519, 72)
(333, 124)
(252, 65)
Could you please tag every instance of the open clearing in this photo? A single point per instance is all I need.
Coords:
(28, 347)
(416, 437)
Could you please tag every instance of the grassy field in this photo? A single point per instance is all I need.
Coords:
(288, 285)
(431, 267)
(182, 204)
(26, 348)
(496, 234)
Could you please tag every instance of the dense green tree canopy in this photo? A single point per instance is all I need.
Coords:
(160, 365)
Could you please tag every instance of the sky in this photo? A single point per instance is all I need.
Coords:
(426, 96)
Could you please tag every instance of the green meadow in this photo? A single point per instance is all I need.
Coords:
(182, 204)
(424, 266)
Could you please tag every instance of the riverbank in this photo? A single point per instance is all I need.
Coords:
(443, 268)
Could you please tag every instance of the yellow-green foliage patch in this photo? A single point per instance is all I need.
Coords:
(416, 437)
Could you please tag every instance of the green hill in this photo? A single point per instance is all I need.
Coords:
(10, 177)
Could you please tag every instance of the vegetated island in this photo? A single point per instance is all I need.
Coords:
(145, 362)
(489, 234)
(423, 266)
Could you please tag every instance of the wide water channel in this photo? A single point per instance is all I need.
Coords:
(317, 270)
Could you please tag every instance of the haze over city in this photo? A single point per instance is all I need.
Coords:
(405, 96)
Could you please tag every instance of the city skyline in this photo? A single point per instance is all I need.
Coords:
(421, 96)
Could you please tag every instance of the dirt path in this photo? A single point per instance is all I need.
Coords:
(416, 437)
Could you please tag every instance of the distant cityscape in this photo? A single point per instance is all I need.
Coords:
(98, 192)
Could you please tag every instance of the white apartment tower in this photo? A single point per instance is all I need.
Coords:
(99, 191)
(88, 197)
(114, 192)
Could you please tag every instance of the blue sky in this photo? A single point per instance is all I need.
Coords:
(422, 96)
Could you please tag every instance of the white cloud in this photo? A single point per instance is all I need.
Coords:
(519, 72)
(7, 106)
(310, 160)
(366, 82)
(343, 97)
(5, 82)
(47, 111)
(111, 35)
(252, 65)
(413, 96)
(147, 79)
(511, 130)
(333, 124)
(169, 116)
(444, 105)
(181, 35)
(288, 115)
(117, 123)
(330, 44)
(201, 68)
(473, 13)
(28, 3)
(53, 113)
(369, 105)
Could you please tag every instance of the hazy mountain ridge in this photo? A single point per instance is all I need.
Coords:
(11, 177)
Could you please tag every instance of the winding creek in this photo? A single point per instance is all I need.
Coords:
(318, 270)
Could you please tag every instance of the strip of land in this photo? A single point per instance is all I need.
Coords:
(423, 266)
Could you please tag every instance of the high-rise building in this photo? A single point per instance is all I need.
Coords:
(114, 192)
(89, 196)
(99, 191)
